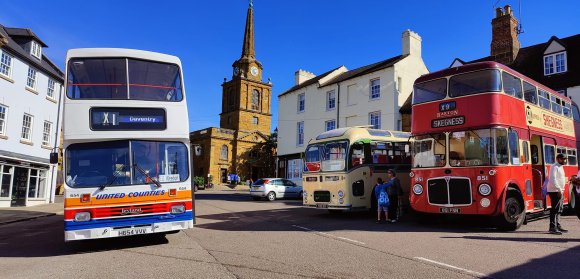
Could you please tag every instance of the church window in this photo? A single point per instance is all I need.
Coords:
(255, 100)
(224, 152)
(255, 120)
(231, 99)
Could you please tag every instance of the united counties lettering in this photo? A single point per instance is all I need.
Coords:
(130, 195)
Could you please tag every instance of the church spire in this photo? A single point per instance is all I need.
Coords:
(248, 51)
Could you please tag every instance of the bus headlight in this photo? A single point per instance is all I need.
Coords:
(484, 189)
(340, 194)
(417, 189)
(82, 216)
(177, 209)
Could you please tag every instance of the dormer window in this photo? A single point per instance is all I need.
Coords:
(555, 63)
(36, 49)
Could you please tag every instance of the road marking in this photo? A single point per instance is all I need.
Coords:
(329, 235)
(478, 274)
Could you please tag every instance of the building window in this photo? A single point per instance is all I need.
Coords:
(555, 63)
(300, 133)
(255, 120)
(399, 84)
(301, 102)
(3, 115)
(37, 184)
(255, 100)
(330, 100)
(375, 88)
(35, 50)
(50, 91)
(6, 64)
(5, 180)
(31, 81)
(330, 125)
(375, 119)
(27, 127)
(224, 152)
(294, 170)
(46, 133)
(231, 99)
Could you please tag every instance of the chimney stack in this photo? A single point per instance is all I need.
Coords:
(505, 44)
(301, 76)
(411, 43)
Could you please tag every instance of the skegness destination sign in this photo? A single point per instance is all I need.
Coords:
(107, 119)
(446, 122)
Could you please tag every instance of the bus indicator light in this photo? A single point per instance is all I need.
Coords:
(86, 198)
(172, 192)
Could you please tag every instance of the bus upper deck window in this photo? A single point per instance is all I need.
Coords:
(512, 85)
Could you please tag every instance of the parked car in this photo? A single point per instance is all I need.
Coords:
(275, 188)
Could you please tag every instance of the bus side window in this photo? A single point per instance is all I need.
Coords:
(549, 156)
(572, 159)
(514, 147)
(526, 152)
(512, 85)
(357, 154)
(535, 153)
(530, 93)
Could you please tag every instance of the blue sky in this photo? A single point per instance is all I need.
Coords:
(315, 35)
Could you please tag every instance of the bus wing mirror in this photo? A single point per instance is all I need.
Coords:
(407, 148)
(53, 157)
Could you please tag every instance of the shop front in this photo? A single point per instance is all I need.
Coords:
(24, 183)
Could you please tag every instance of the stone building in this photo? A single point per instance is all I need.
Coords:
(244, 121)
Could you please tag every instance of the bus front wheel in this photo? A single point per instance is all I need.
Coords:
(513, 216)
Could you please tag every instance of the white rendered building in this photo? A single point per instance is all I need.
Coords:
(369, 95)
(30, 90)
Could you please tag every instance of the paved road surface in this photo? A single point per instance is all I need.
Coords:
(239, 238)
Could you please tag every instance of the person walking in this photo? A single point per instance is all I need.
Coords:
(382, 198)
(555, 189)
(395, 191)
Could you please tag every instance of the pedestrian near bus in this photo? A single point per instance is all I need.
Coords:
(555, 189)
(382, 198)
(395, 191)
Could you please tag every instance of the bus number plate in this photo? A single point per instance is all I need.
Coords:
(321, 205)
(450, 210)
(132, 231)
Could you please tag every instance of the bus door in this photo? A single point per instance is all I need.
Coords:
(538, 169)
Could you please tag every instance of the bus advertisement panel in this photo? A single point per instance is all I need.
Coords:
(341, 167)
(485, 137)
(126, 146)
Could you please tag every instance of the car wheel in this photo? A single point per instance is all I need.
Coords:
(271, 196)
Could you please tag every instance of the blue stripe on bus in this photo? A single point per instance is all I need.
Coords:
(129, 221)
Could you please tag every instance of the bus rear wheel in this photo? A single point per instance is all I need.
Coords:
(513, 216)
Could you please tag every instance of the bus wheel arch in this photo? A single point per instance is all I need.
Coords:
(513, 213)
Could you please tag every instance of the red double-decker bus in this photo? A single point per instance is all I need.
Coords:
(485, 137)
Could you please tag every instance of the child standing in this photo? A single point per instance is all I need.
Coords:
(382, 198)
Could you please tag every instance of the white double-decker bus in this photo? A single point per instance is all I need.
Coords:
(126, 144)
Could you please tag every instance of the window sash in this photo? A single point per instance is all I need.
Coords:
(330, 125)
(50, 91)
(300, 133)
(46, 133)
(31, 80)
(375, 88)
(3, 113)
(35, 50)
(6, 65)
(375, 119)
(27, 127)
(331, 100)
(555, 63)
(301, 102)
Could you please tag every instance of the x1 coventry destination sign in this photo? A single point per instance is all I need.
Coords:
(106, 119)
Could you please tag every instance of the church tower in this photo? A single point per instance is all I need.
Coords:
(246, 99)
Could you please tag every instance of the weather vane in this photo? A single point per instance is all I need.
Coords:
(251, 4)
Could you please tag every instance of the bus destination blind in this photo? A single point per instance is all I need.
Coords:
(128, 119)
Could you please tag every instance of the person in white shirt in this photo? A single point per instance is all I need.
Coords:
(556, 192)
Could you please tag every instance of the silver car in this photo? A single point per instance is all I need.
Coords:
(275, 188)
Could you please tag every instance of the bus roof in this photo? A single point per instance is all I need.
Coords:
(121, 52)
(357, 133)
(482, 66)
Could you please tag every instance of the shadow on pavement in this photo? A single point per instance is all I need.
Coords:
(242, 197)
(559, 265)
(549, 239)
(26, 241)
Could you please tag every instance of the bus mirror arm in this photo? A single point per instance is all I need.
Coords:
(143, 172)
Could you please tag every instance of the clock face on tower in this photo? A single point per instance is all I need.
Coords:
(236, 71)
(254, 70)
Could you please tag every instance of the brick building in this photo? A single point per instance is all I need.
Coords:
(244, 122)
